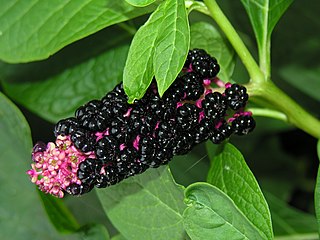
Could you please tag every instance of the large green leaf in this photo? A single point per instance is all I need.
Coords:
(147, 206)
(138, 71)
(140, 3)
(21, 212)
(206, 36)
(172, 44)
(59, 95)
(306, 80)
(230, 173)
(211, 214)
(94, 232)
(34, 29)
(264, 15)
(289, 221)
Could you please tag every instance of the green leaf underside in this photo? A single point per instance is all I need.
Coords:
(306, 80)
(59, 96)
(206, 36)
(138, 71)
(34, 30)
(288, 221)
(140, 3)
(230, 173)
(211, 214)
(172, 44)
(146, 206)
(264, 15)
(59, 215)
(21, 212)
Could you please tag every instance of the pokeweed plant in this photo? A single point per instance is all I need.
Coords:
(145, 43)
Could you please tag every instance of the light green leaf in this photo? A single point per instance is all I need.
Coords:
(206, 36)
(21, 212)
(146, 206)
(306, 80)
(172, 44)
(264, 15)
(211, 214)
(34, 30)
(140, 3)
(138, 71)
(59, 95)
(230, 173)
(289, 221)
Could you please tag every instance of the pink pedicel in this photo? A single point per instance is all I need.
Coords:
(122, 146)
(227, 85)
(179, 104)
(190, 68)
(207, 82)
(55, 167)
(127, 114)
(201, 116)
(238, 114)
(136, 142)
(199, 103)
(219, 83)
(208, 91)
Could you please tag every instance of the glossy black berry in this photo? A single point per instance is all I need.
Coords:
(66, 126)
(107, 149)
(193, 54)
(184, 144)
(187, 116)
(110, 176)
(83, 140)
(192, 86)
(89, 171)
(214, 106)
(236, 96)
(77, 190)
(242, 125)
(220, 133)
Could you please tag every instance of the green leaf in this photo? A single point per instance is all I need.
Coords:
(146, 206)
(34, 30)
(138, 71)
(317, 191)
(94, 232)
(306, 80)
(58, 96)
(172, 44)
(206, 36)
(118, 237)
(230, 173)
(264, 15)
(21, 212)
(290, 222)
(211, 214)
(59, 215)
(140, 3)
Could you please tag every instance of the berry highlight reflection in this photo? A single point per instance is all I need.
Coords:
(109, 140)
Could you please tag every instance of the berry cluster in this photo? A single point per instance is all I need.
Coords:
(109, 140)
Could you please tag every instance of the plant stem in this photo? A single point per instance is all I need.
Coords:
(264, 112)
(251, 65)
(296, 115)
